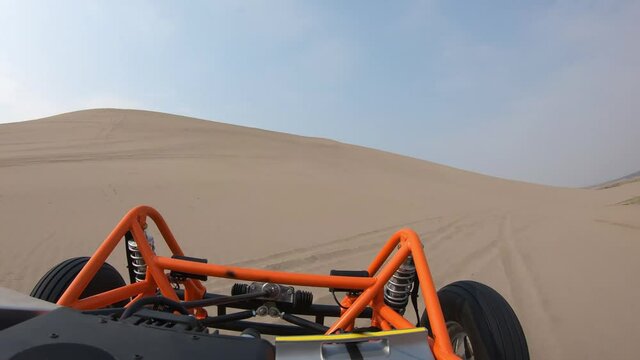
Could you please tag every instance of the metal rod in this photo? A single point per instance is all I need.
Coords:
(249, 274)
(323, 310)
(296, 320)
(224, 300)
(212, 320)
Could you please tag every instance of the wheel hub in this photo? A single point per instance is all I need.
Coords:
(460, 341)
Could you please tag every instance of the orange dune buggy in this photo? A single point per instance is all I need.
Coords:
(166, 312)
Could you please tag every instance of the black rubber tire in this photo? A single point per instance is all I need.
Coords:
(491, 324)
(54, 283)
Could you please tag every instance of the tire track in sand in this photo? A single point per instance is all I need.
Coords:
(361, 246)
(330, 249)
(524, 289)
(471, 253)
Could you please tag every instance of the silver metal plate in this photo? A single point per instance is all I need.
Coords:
(393, 345)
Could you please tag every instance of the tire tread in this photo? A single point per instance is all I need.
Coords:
(54, 283)
(493, 318)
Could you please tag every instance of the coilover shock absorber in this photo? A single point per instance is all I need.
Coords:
(398, 289)
(136, 264)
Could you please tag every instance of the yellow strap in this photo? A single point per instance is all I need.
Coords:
(376, 334)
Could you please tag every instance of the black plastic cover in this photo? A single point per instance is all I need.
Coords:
(68, 334)
(184, 275)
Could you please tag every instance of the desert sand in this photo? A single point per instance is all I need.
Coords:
(565, 259)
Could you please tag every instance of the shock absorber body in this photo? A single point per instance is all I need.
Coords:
(136, 264)
(398, 289)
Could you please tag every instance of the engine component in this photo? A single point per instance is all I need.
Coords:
(398, 289)
(279, 293)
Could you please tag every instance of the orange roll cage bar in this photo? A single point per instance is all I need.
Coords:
(406, 241)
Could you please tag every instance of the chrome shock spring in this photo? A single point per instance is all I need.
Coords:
(137, 261)
(398, 289)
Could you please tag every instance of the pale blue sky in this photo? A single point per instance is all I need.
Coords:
(541, 91)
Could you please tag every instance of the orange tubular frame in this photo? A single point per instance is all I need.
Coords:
(406, 241)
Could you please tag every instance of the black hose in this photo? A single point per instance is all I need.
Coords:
(296, 320)
(223, 300)
(241, 315)
(154, 300)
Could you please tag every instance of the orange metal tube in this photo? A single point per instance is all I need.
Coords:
(150, 258)
(395, 319)
(87, 273)
(198, 285)
(442, 345)
(383, 254)
(367, 295)
(376, 318)
(234, 272)
(194, 288)
(384, 325)
(112, 296)
(162, 226)
(192, 291)
(346, 303)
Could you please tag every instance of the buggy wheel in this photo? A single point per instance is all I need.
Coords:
(480, 322)
(56, 281)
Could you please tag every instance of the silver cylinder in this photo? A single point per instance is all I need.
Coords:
(398, 289)
(137, 261)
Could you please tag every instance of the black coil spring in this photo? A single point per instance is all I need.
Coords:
(302, 299)
(239, 289)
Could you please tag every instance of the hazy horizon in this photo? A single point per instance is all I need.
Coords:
(541, 92)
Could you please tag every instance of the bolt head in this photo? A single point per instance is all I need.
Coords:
(274, 312)
(262, 311)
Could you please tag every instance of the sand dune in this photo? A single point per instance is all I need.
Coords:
(566, 259)
(631, 178)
